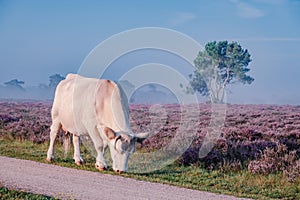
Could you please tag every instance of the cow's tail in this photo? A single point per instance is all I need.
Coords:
(67, 142)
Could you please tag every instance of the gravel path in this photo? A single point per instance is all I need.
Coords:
(69, 183)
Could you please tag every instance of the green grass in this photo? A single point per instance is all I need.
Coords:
(241, 183)
(6, 193)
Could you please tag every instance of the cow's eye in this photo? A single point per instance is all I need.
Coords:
(123, 146)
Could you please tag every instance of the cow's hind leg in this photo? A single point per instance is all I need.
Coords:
(54, 129)
(77, 156)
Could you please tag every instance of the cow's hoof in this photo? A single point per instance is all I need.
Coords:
(100, 167)
(49, 160)
(79, 163)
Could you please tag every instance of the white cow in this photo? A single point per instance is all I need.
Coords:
(98, 108)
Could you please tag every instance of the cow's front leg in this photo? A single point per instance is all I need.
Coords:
(77, 156)
(99, 147)
(100, 161)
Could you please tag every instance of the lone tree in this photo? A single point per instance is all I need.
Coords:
(220, 64)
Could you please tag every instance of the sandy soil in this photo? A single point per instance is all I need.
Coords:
(69, 183)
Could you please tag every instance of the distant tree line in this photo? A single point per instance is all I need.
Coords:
(53, 82)
(14, 89)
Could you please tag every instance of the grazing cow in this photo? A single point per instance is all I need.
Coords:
(97, 108)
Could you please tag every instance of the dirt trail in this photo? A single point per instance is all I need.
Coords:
(69, 183)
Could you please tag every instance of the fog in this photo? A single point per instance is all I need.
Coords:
(148, 94)
(30, 93)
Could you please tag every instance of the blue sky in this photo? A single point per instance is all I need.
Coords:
(41, 38)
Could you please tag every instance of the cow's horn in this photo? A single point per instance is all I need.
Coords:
(117, 138)
(140, 137)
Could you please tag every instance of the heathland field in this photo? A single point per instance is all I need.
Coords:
(257, 154)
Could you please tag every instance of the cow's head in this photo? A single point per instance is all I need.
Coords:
(121, 145)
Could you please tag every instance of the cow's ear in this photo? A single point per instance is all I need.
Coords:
(140, 137)
(110, 134)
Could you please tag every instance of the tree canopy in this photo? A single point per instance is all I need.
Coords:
(221, 63)
(15, 83)
(54, 80)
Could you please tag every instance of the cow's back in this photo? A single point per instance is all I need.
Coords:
(82, 103)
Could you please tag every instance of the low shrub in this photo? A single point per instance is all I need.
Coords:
(277, 159)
